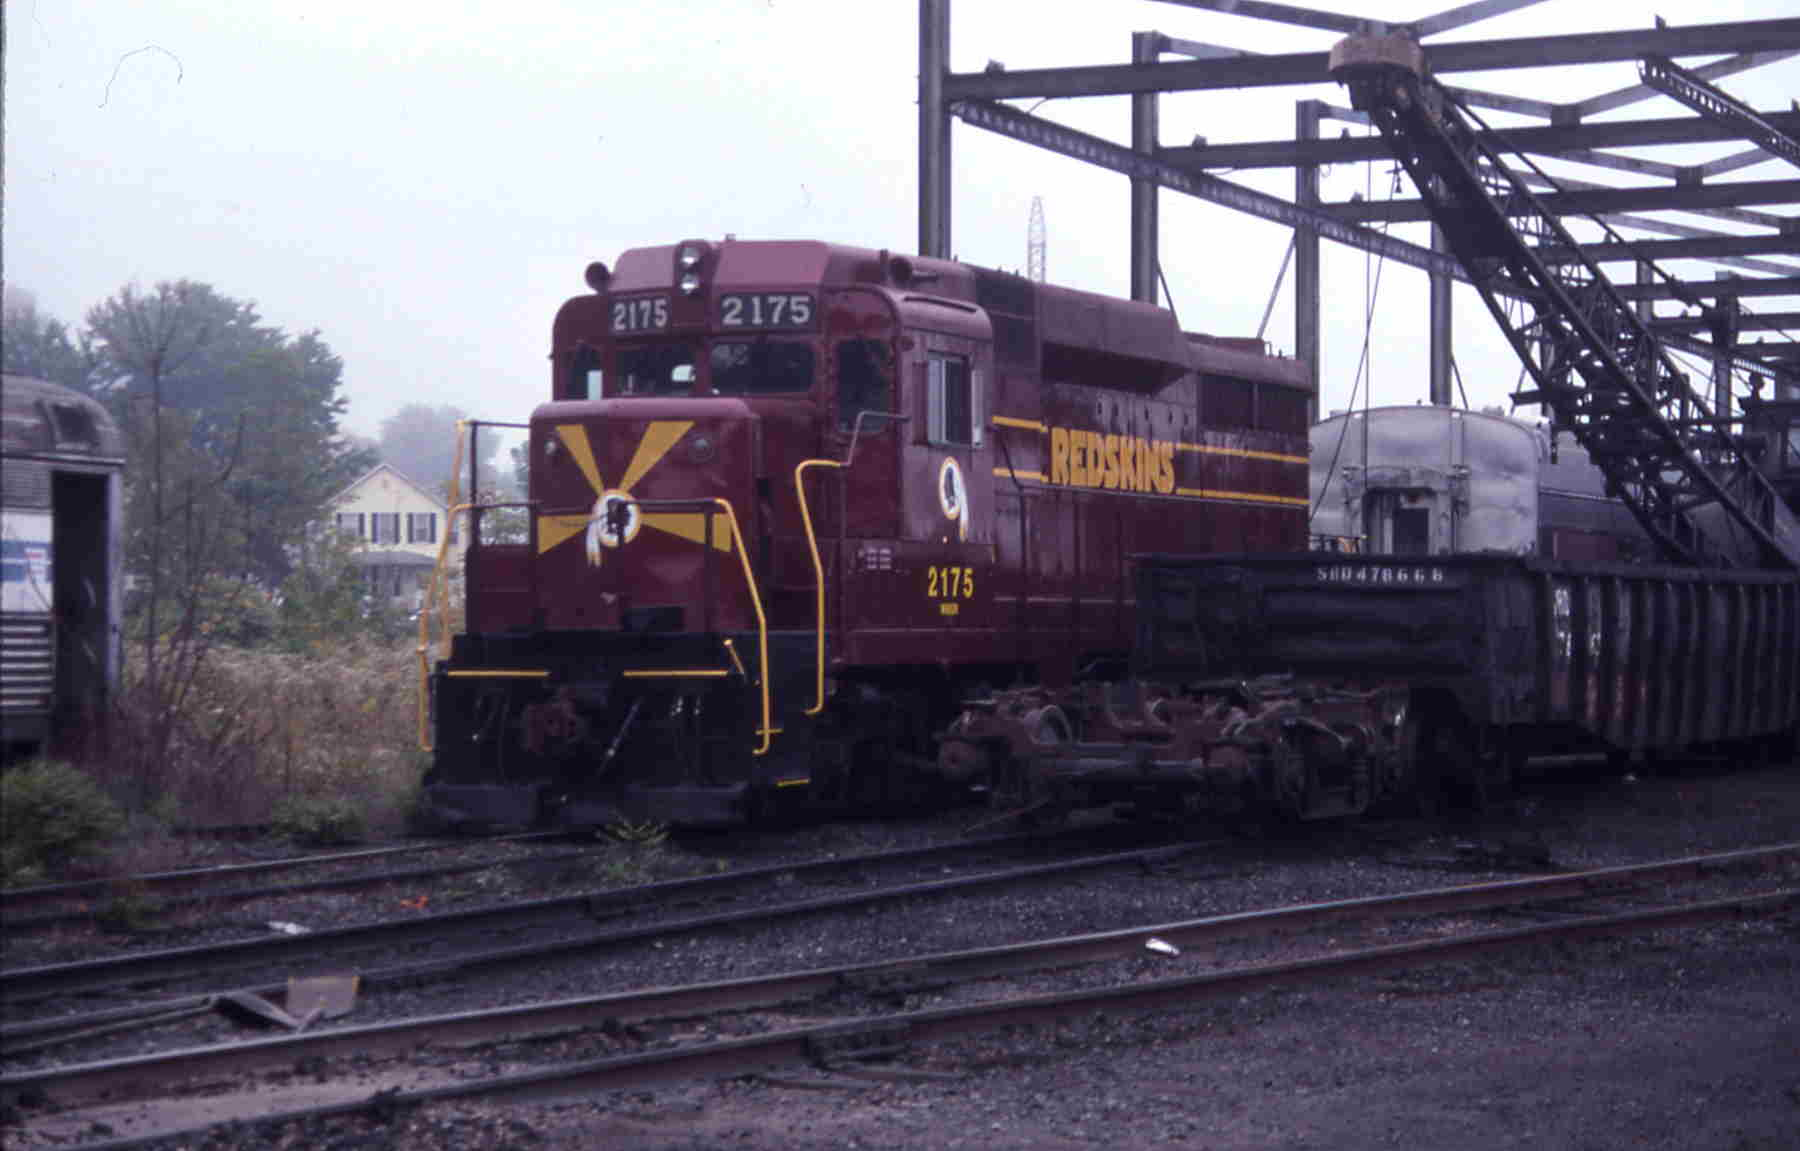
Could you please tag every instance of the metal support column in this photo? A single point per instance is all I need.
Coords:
(1646, 304)
(1307, 114)
(1145, 48)
(1724, 317)
(1442, 345)
(934, 129)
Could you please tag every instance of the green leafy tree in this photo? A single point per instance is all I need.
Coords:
(38, 345)
(234, 450)
(259, 407)
(322, 601)
(420, 441)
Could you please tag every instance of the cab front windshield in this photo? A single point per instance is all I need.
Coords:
(660, 369)
(760, 367)
(749, 367)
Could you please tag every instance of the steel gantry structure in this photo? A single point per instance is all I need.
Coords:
(1750, 240)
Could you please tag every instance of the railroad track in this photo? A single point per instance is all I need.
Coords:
(566, 919)
(44, 904)
(842, 1045)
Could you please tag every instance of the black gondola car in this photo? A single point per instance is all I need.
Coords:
(1524, 655)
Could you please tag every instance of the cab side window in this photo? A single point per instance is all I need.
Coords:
(952, 401)
(865, 376)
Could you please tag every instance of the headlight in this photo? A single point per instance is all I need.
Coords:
(689, 256)
(689, 283)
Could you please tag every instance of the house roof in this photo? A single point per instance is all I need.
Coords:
(350, 488)
(391, 557)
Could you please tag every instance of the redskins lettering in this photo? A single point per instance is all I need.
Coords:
(1086, 459)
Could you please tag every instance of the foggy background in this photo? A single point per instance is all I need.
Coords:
(423, 183)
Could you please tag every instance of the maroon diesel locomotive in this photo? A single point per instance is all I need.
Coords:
(792, 503)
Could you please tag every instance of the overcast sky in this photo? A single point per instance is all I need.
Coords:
(424, 183)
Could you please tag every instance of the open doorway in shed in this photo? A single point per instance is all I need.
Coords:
(82, 583)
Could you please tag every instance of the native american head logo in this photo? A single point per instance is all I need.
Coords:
(617, 517)
(953, 495)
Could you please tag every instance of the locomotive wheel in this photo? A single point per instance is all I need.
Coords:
(1048, 726)
(1020, 790)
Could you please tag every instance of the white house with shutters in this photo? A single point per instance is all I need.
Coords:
(400, 525)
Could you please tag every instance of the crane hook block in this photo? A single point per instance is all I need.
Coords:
(1362, 54)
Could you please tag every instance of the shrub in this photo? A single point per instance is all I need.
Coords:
(51, 817)
(328, 821)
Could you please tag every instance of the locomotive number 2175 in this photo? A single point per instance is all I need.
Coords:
(765, 310)
(948, 583)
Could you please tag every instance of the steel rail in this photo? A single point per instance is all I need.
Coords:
(31, 922)
(16, 899)
(133, 1076)
(27, 984)
(770, 1050)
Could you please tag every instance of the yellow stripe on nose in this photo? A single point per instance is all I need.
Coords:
(659, 437)
(553, 530)
(575, 438)
(691, 526)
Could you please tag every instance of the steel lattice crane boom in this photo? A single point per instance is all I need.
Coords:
(1036, 239)
(1597, 365)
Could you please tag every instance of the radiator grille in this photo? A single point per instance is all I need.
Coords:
(27, 664)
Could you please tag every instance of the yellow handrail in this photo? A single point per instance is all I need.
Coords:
(762, 621)
(434, 592)
(812, 545)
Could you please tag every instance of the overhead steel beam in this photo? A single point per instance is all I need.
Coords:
(1748, 158)
(1746, 322)
(1655, 169)
(1465, 15)
(1314, 67)
(1663, 199)
(1007, 121)
(1737, 288)
(1689, 232)
(1197, 49)
(1624, 97)
(1697, 249)
(1502, 102)
(1716, 104)
(1457, 17)
(1282, 14)
(1774, 221)
(1545, 140)
(1743, 358)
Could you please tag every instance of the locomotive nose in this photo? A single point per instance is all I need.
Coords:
(661, 492)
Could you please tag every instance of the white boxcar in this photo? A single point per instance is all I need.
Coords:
(1441, 481)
